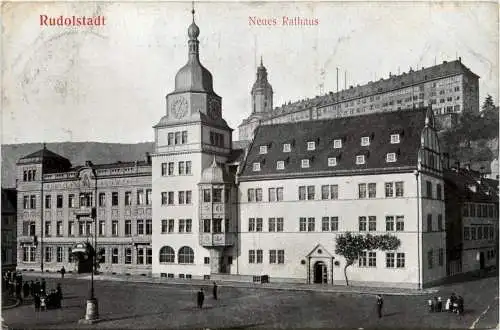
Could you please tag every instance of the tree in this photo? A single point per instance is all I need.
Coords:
(350, 246)
(488, 103)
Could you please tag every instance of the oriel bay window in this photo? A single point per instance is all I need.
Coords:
(206, 225)
(206, 195)
(217, 225)
(217, 195)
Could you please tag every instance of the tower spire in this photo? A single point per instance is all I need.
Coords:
(261, 61)
(192, 10)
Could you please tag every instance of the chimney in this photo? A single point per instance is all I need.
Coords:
(460, 59)
(147, 158)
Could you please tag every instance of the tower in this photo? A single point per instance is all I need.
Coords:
(262, 92)
(190, 137)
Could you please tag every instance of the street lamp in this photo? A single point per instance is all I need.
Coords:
(92, 312)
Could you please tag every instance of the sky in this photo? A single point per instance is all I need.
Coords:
(108, 83)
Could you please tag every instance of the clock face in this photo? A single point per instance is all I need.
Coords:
(213, 108)
(179, 107)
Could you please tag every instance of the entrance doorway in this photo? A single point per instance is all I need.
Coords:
(320, 272)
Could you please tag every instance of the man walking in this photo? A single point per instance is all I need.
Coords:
(201, 297)
(215, 291)
(380, 304)
(63, 271)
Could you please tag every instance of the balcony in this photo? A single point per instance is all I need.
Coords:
(218, 239)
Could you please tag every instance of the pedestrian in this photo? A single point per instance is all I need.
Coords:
(439, 305)
(435, 302)
(430, 304)
(18, 291)
(26, 289)
(460, 305)
(215, 291)
(447, 306)
(63, 271)
(44, 285)
(201, 297)
(32, 289)
(380, 304)
(36, 298)
(43, 302)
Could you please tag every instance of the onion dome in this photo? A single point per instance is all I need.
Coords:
(193, 77)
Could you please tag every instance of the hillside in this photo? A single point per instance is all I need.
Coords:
(76, 152)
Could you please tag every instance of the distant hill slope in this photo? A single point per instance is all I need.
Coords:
(76, 152)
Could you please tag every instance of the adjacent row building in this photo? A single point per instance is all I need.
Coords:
(206, 207)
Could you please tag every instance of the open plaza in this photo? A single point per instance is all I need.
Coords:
(140, 302)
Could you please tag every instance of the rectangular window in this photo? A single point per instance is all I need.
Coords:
(102, 199)
(128, 198)
(149, 256)
(272, 256)
(372, 223)
(311, 145)
(389, 189)
(102, 228)
(362, 190)
(128, 255)
(71, 228)
(177, 137)
(394, 138)
(182, 225)
(26, 202)
(466, 233)
(441, 257)
(430, 261)
(305, 163)
(140, 256)
(400, 260)
(325, 224)
(362, 259)
(389, 223)
(217, 195)
(390, 157)
(279, 194)
(399, 189)
(263, 150)
(180, 197)
(170, 200)
(332, 161)
(302, 193)
(389, 260)
(48, 201)
(280, 165)
(164, 170)
(164, 226)
(206, 225)
(429, 189)
(429, 222)
(302, 224)
(181, 168)
(59, 254)
(188, 167)
(362, 223)
(440, 222)
(372, 259)
(272, 194)
(251, 256)
(59, 228)
(114, 228)
(128, 227)
(171, 225)
(189, 226)
(287, 147)
(48, 228)
(140, 197)
(259, 256)
(279, 224)
(311, 223)
(184, 137)
(114, 256)
(400, 223)
(59, 201)
(256, 167)
(473, 233)
(170, 170)
(48, 254)
(259, 224)
(438, 192)
(271, 224)
(360, 159)
(337, 143)
(365, 141)
(258, 195)
(310, 193)
(170, 138)
(251, 224)
(114, 198)
(140, 227)
(372, 190)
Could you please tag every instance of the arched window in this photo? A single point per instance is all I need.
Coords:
(167, 255)
(186, 255)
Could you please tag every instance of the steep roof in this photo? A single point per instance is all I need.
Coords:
(467, 185)
(378, 127)
(45, 154)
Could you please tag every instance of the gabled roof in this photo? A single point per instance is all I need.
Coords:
(45, 154)
(378, 127)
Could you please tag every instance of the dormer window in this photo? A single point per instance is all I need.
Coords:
(263, 150)
(365, 141)
(280, 165)
(394, 138)
(287, 147)
(337, 143)
(256, 167)
(332, 161)
(305, 163)
(360, 159)
(311, 145)
(390, 157)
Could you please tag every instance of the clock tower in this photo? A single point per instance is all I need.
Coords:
(189, 138)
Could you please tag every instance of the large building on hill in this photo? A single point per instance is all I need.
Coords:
(204, 207)
(449, 88)
(54, 214)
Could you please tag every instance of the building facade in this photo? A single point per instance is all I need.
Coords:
(449, 88)
(9, 229)
(55, 203)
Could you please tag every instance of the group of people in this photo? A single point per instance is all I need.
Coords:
(48, 300)
(453, 304)
(201, 295)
